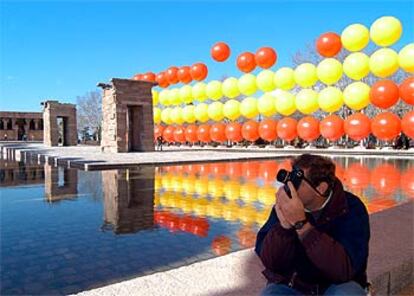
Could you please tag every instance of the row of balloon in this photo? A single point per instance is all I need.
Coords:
(384, 126)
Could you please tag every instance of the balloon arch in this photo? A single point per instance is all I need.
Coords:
(310, 102)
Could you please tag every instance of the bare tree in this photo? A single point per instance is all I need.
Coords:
(89, 112)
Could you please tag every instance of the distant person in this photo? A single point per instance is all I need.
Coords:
(159, 143)
(316, 242)
(5, 137)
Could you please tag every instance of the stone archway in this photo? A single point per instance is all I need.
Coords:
(60, 125)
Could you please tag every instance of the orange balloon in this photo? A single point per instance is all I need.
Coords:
(329, 44)
(184, 75)
(357, 176)
(221, 245)
(233, 132)
(268, 170)
(386, 126)
(384, 94)
(246, 62)
(407, 90)
(286, 129)
(357, 126)
(407, 124)
(267, 130)
(220, 52)
(385, 179)
(179, 134)
(161, 79)
(378, 204)
(149, 77)
(217, 132)
(203, 133)
(234, 169)
(407, 182)
(332, 127)
(158, 130)
(250, 169)
(172, 75)
(137, 77)
(198, 71)
(250, 130)
(168, 134)
(247, 237)
(308, 128)
(265, 57)
(191, 133)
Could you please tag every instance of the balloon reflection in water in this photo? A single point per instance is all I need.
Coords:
(357, 176)
(221, 245)
(246, 236)
(186, 223)
(407, 182)
(385, 179)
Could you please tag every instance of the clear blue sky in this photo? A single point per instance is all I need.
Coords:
(59, 50)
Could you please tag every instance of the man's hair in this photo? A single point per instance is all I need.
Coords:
(320, 169)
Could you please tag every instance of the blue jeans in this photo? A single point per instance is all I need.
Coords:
(348, 289)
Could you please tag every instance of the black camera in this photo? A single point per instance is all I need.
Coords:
(295, 176)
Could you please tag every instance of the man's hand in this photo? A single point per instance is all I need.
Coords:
(291, 208)
(285, 224)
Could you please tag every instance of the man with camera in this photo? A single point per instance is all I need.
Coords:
(315, 241)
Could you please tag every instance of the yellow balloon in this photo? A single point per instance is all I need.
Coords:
(215, 111)
(355, 37)
(185, 94)
(307, 101)
(406, 58)
(155, 97)
(247, 84)
(284, 78)
(248, 108)
(356, 95)
(386, 30)
(266, 105)
(230, 88)
(164, 97)
(383, 62)
(201, 112)
(188, 114)
(330, 99)
(265, 80)
(329, 71)
(174, 96)
(231, 109)
(199, 91)
(176, 115)
(356, 65)
(165, 115)
(285, 103)
(213, 90)
(305, 75)
(157, 115)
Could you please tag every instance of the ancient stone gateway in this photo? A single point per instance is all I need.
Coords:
(60, 126)
(127, 120)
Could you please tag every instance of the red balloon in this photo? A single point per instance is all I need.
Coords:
(386, 126)
(329, 44)
(220, 52)
(221, 245)
(407, 90)
(168, 134)
(137, 77)
(246, 62)
(357, 126)
(161, 79)
(179, 134)
(308, 128)
(286, 129)
(149, 77)
(233, 132)
(158, 130)
(217, 132)
(250, 130)
(191, 133)
(357, 176)
(385, 179)
(332, 127)
(203, 133)
(198, 71)
(407, 182)
(407, 124)
(267, 130)
(268, 170)
(265, 57)
(184, 75)
(384, 94)
(247, 237)
(172, 75)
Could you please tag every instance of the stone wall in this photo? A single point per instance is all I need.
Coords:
(13, 125)
(122, 98)
(53, 110)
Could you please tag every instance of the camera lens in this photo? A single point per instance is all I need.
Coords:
(282, 176)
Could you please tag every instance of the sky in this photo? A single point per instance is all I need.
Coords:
(60, 50)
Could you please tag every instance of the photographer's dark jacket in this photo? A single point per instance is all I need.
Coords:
(334, 251)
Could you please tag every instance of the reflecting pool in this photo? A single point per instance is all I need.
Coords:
(65, 230)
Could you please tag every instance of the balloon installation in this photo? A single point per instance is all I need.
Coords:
(250, 130)
(168, 134)
(220, 52)
(332, 127)
(198, 71)
(149, 77)
(386, 126)
(308, 128)
(407, 124)
(179, 134)
(286, 129)
(407, 90)
(357, 126)
(267, 130)
(158, 131)
(329, 44)
(265, 57)
(161, 79)
(246, 62)
(384, 94)
(191, 133)
(217, 132)
(203, 133)
(171, 74)
(233, 132)
(184, 75)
